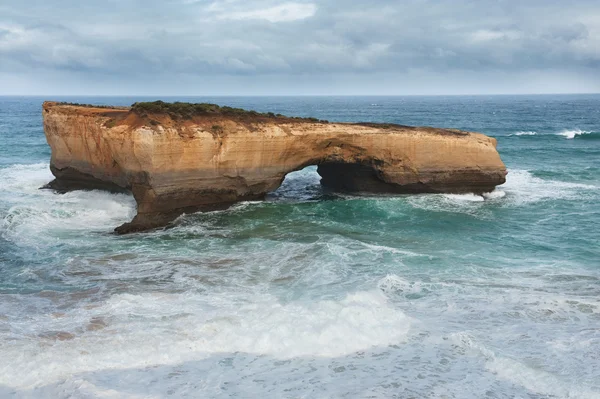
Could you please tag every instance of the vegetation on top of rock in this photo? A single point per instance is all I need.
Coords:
(85, 105)
(181, 110)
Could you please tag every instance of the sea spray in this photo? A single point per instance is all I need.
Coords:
(571, 134)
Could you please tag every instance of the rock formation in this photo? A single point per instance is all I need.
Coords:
(178, 158)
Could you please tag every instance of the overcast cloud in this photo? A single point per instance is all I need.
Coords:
(299, 47)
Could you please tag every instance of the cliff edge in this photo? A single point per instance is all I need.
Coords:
(178, 158)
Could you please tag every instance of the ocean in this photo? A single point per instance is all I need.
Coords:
(311, 293)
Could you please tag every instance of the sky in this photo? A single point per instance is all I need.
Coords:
(318, 47)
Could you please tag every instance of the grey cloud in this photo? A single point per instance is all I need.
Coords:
(296, 37)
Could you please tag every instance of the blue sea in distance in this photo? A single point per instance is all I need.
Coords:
(312, 294)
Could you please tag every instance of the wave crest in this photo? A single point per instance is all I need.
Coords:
(571, 134)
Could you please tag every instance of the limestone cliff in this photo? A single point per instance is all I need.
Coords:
(215, 157)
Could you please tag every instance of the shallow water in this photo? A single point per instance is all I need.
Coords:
(313, 293)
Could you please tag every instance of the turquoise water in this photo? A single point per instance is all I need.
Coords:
(313, 293)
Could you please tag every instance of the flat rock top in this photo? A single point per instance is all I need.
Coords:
(168, 116)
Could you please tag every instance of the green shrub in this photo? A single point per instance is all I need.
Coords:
(180, 110)
(84, 105)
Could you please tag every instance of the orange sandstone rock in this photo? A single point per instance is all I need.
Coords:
(174, 165)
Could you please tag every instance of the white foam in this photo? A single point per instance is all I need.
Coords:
(496, 194)
(567, 133)
(470, 197)
(532, 379)
(571, 134)
(525, 133)
(38, 217)
(157, 329)
(24, 179)
(458, 203)
(522, 187)
(393, 284)
(383, 248)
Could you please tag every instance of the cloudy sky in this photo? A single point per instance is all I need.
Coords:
(262, 47)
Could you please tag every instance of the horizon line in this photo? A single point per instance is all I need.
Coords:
(299, 95)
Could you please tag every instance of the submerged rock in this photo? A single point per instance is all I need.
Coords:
(178, 158)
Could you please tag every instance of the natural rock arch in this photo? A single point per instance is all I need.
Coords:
(174, 164)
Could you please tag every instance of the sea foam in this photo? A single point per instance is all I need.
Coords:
(523, 187)
(148, 330)
(571, 134)
(566, 133)
(37, 217)
(525, 133)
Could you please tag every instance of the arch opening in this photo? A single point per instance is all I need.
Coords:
(301, 184)
(352, 177)
(322, 179)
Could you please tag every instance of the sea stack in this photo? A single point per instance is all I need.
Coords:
(178, 158)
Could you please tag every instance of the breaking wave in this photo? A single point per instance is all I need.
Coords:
(523, 187)
(571, 134)
(39, 218)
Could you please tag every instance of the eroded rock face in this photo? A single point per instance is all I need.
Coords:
(210, 161)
